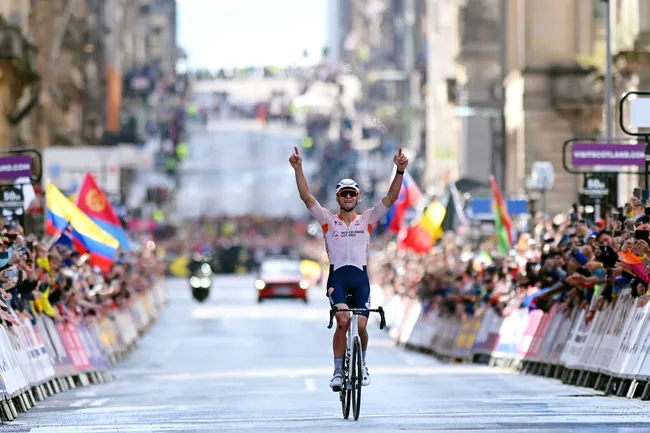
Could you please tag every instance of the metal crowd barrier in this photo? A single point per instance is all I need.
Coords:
(609, 352)
(38, 361)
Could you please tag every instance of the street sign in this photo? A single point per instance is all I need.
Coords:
(640, 113)
(596, 155)
(12, 203)
(595, 187)
(542, 175)
(13, 167)
(11, 196)
(590, 154)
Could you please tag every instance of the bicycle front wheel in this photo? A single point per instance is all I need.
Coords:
(357, 378)
(345, 393)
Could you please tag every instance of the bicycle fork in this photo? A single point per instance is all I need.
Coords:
(353, 334)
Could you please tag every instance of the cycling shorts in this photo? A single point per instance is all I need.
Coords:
(349, 280)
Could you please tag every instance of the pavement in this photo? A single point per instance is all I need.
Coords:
(248, 89)
(238, 167)
(233, 365)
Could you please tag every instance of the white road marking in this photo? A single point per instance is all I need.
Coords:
(326, 371)
(124, 409)
(408, 360)
(99, 402)
(86, 393)
(442, 420)
(79, 403)
(310, 384)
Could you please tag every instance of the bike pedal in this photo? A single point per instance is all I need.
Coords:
(337, 389)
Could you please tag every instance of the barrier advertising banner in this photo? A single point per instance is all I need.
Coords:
(613, 341)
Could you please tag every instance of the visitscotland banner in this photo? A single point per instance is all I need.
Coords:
(13, 167)
(587, 154)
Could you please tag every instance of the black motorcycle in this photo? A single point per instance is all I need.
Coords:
(201, 279)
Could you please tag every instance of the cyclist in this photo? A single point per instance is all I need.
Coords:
(347, 237)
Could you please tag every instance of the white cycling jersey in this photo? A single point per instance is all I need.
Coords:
(348, 245)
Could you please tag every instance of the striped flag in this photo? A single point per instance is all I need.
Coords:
(501, 219)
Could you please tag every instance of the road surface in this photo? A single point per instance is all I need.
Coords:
(238, 167)
(249, 89)
(234, 365)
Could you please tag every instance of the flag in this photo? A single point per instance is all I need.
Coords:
(92, 201)
(423, 235)
(501, 219)
(409, 194)
(87, 236)
(65, 238)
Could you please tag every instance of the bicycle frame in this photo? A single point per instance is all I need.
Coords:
(353, 332)
(352, 336)
(349, 396)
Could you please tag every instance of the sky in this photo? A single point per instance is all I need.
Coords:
(240, 33)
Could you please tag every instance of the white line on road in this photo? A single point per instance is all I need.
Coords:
(87, 393)
(408, 360)
(310, 384)
(326, 371)
(79, 403)
(99, 402)
(442, 420)
(125, 409)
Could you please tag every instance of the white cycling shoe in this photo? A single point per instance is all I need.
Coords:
(366, 377)
(336, 382)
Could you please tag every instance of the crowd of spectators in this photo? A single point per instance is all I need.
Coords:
(240, 243)
(576, 263)
(54, 279)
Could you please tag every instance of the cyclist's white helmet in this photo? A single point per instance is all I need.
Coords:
(347, 184)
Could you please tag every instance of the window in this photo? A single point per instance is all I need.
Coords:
(600, 11)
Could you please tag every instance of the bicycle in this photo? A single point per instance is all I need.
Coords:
(350, 392)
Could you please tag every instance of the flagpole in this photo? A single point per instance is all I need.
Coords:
(54, 240)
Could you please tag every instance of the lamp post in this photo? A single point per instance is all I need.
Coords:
(609, 118)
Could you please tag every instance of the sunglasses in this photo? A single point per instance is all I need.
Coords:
(348, 193)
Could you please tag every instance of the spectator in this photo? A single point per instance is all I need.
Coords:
(575, 264)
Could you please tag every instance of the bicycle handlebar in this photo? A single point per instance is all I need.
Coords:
(334, 310)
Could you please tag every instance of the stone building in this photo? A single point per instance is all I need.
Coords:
(19, 78)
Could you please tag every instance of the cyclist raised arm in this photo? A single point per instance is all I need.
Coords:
(401, 161)
(347, 239)
(303, 189)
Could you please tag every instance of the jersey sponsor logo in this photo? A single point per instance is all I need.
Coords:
(348, 233)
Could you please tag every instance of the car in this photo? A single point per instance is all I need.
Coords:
(281, 277)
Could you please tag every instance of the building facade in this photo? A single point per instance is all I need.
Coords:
(553, 86)
(443, 128)
(65, 63)
(20, 80)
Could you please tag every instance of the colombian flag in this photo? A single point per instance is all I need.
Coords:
(92, 201)
(409, 195)
(87, 236)
(501, 219)
(423, 235)
(65, 238)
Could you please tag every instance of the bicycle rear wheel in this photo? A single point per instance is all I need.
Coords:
(345, 393)
(357, 378)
